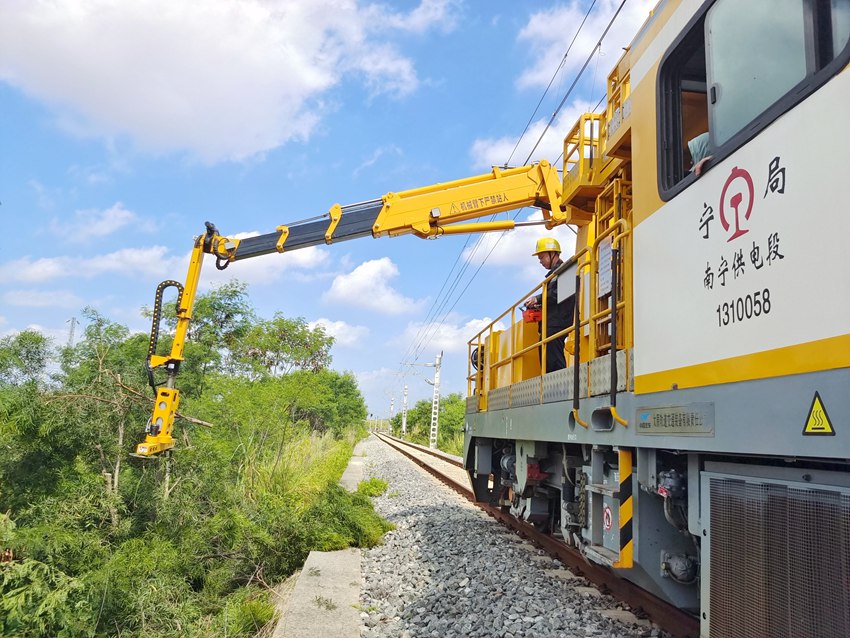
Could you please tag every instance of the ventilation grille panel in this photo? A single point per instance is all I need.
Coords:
(780, 560)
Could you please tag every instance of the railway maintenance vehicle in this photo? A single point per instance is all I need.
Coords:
(698, 441)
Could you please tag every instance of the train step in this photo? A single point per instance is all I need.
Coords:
(601, 555)
(607, 489)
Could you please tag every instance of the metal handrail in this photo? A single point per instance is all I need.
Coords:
(587, 262)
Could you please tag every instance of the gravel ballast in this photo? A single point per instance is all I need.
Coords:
(449, 570)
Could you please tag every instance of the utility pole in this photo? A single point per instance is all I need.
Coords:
(435, 404)
(404, 413)
(73, 322)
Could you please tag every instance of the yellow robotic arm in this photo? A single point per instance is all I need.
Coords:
(426, 212)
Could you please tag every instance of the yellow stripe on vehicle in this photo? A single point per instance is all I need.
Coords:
(824, 354)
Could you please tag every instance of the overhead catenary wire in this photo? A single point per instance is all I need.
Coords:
(561, 155)
(468, 283)
(428, 315)
(423, 334)
(427, 331)
(431, 329)
(551, 81)
(575, 81)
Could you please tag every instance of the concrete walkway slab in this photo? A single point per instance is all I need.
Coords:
(354, 472)
(325, 598)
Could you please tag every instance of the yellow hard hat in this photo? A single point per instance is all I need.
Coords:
(546, 244)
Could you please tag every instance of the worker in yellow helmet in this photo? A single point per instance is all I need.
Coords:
(558, 315)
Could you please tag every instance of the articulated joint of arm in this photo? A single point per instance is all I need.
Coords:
(549, 195)
(223, 248)
(284, 235)
(335, 214)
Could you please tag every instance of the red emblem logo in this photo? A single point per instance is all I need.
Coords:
(743, 186)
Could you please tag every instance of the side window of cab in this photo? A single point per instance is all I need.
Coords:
(737, 67)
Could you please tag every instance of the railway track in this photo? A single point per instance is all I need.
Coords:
(449, 470)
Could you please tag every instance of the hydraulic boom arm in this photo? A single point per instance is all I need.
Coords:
(425, 212)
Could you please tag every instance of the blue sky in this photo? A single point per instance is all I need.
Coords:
(128, 123)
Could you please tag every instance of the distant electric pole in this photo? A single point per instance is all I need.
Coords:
(404, 412)
(435, 404)
(73, 322)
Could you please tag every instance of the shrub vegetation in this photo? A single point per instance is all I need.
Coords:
(94, 543)
(373, 486)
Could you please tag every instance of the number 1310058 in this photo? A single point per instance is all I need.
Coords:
(745, 307)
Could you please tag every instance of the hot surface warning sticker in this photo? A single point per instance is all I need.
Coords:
(818, 423)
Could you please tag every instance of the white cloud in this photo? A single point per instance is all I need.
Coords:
(91, 175)
(260, 270)
(440, 14)
(91, 223)
(222, 79)
(367, 287)
(513, 249)
(496, 151)
(344, 334)
(378, 387)
(376, 155)
(386, 73)
(42, 299)
(36, 270)
(549, 32)
(155, 262)
(137, 262)
(544, 37)
(43, 196)
(449, 336)
(54, 335)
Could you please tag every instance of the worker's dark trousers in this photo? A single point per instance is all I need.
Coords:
(555, 359)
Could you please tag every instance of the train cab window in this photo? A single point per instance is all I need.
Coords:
(737, 67)
(683, 105)
(839, 12)
(750, 67)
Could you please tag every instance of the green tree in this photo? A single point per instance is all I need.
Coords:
(220, 320)
(327, 400)
(451, 420)
(24, 357)
(39, 600)
(45, 430)
(452, 415)
(176, 545)
(106, 348)
(104, 403)
(281, 345)
(222, 316)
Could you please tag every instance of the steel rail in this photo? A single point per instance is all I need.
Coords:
(671, 619)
